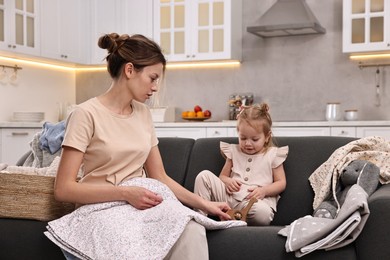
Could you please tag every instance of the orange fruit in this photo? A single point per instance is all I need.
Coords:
(191, 114)
(184, 114)
(199, 114)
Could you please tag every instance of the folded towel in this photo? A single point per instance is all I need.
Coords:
(52, 136)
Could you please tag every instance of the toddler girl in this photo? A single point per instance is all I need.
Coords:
(253, 168)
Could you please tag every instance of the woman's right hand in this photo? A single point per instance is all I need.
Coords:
(141, 198)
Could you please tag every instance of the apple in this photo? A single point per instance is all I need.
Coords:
(207, 113)
(197, 109)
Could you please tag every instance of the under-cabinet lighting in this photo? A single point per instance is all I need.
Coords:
(208, 64)
(54, 66)
(173, 65)
(369, 56)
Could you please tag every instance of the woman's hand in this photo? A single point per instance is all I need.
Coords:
(141, 198)
(218, 209)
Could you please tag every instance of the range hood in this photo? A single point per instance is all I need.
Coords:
(286, 18)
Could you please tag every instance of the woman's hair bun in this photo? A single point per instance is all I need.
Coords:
(108, 42)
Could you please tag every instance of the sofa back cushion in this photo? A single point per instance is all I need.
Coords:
(175, 153)
(305, 155)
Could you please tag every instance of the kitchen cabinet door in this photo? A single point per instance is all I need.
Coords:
(366, 25)
(364, 131)
(15, 142)
(198, 30)
(216, 132)
(119, 16)
(343, 131)
(232, 132)
(64, 28)
(19, 26)
(301, 131)
(186, 132)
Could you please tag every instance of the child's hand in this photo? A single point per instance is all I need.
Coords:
(256, 192)
(232, 185)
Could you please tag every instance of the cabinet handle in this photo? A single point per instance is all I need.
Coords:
(19, 133)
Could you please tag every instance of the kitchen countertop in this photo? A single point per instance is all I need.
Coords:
(227, 123)
(21, 124)
(232, 123)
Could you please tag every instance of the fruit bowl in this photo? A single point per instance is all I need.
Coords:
(196, 118)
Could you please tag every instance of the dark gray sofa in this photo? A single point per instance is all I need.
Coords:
(185, 158)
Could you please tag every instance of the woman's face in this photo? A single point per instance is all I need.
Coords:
(146, 82)
(251, 140)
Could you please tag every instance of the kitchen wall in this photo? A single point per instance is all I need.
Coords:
(296, 75)
(38, 89)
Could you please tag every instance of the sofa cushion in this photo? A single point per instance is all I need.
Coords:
(175, 153)
(262, 243)
(24, 239)
(306, 154)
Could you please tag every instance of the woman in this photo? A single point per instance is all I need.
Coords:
(113, 137)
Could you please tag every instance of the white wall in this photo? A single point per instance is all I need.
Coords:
(38, 89)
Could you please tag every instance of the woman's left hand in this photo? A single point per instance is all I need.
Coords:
(218, 209)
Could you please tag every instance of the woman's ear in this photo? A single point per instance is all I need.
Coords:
(129, 69)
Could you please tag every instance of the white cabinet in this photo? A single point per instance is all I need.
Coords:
(301, 131)
(343, 131)
(232, 132)
(216, 132)
(15, 142)
(366, 25)
(187, 132)
(364, 131)
(119, 16)
(64, 30)
(19, 26)
(198, 30)
(279, 131)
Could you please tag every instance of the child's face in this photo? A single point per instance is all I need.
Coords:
(251, 140)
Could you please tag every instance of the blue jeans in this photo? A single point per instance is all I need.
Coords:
(69, 256)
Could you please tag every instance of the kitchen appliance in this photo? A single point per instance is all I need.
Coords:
(163, 114)
(287, 17)
(237, 100)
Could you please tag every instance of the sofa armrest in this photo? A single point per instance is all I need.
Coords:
(374, 241)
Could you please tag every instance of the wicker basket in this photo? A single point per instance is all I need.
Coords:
(30, 197)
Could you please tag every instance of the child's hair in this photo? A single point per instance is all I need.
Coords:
(258, 117)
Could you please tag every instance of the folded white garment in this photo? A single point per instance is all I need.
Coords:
(117, 230)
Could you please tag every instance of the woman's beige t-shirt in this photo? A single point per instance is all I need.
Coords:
(115, 146)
